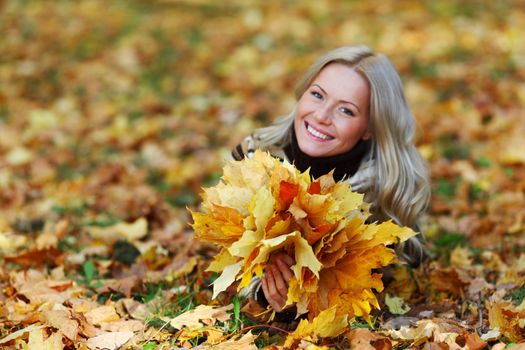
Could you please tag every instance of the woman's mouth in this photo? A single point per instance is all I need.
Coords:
(317, 134)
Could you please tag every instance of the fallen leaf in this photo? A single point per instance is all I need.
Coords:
(200, 316)
(37, 258)
(109, 340)
(396, 305)
(61, 320)
(474, 342)
(245, 342)
(21, 332)
(361, 338)
(122, 285)
(123, 325)
(102, 314)
(136, 310)
(37, 341)
(127, 231)
(10, 242)
(326, 324)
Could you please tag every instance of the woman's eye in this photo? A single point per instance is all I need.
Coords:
(347, 111)
(316, 94)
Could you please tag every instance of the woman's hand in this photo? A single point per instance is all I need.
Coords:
(275, 280)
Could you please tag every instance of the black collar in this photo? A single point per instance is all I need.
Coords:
(345, 164)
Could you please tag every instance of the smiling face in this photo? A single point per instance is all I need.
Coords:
(332, 114)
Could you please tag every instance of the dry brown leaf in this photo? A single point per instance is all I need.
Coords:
(10, 242)
(21, 332)
(86, 329)
(102, 314)
(128, 231)
(136, 310)
(447, 280)
(245, 342)
(37, 288)
(37, 258)
(361, 338)
(474, 342)
(61, 320)
(506, 318)
(200, 316)
(38, 341)
(121, 285)
(124, 325)
(109, 340)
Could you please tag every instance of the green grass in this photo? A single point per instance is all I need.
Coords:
(89, 274)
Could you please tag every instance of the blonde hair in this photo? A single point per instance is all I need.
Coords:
(399, 188)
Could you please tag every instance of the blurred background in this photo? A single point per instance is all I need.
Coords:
(115, 110)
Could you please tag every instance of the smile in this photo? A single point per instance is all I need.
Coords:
(317, 134)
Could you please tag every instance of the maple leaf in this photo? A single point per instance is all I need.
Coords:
(287, 192)
(37, 341)
(506, 317)
(122, 230)
(21, 332)
(83, 124)
(37, 257)
(223, 225)
(63, 321)
(202, 314)
(363, 338)
(244, 342)
(109, 340)
(326, 324)
(321, 223)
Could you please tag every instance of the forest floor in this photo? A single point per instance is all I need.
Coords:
(114, 115)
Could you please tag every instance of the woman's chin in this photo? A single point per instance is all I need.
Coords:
(313, 150)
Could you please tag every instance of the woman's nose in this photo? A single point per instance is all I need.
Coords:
(322, 115)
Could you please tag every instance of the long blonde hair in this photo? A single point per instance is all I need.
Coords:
(400, 187)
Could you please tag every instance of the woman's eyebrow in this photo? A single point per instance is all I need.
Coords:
(345, 101)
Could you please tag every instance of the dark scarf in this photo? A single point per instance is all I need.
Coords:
(345, 164)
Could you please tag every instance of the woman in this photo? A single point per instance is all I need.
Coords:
(351, 115)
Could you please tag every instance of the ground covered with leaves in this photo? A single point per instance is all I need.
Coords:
(114, 115)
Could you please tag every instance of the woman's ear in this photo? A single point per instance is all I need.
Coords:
(367, 135)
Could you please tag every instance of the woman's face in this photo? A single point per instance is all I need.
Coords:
(332, 114)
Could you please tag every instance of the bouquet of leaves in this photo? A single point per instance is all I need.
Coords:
(262, 206)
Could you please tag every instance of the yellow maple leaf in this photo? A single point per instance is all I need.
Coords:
(234, 197)
(304, 256)
(227, 277)
(223, 259)
(506, 317)
(262, 207)
(222, 225)
(327, 324)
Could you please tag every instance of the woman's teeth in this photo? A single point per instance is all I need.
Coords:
(317, 133)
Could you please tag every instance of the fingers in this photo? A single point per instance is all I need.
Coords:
(287, 259)
(276, 279)
(270, 292)
(281, 284)
(285, 271)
